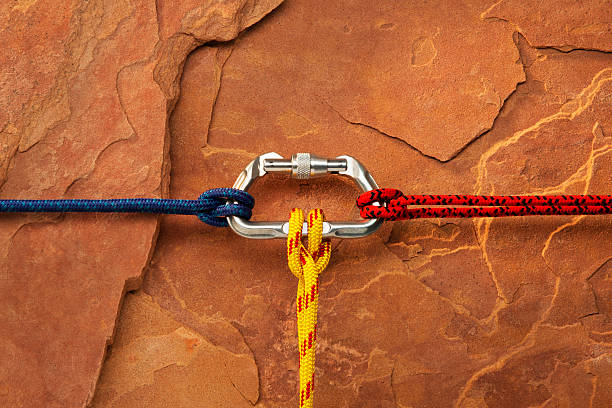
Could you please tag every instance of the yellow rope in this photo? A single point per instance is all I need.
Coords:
(306, 264)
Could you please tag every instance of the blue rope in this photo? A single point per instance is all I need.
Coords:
(211, 207)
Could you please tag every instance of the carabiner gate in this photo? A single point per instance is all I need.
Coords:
(304, 166)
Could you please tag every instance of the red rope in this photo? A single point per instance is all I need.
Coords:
(391, 204)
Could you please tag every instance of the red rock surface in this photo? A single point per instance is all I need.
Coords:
(424, 74)
(565, 25)
(85, 91)
(498, 313)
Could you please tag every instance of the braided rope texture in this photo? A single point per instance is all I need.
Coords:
(391, 204)
(212, 207)
(306, 264)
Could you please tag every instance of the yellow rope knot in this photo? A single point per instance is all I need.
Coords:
(306, 264)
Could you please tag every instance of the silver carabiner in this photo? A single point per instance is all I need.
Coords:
(304, 166)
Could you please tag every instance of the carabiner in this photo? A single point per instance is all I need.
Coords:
(304, 166)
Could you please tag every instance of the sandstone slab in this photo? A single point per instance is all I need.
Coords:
(429, 313)
(85, 89)
(432, 75)
(565, 25)
(498, 313)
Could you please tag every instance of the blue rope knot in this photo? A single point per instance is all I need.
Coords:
(220, 203)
